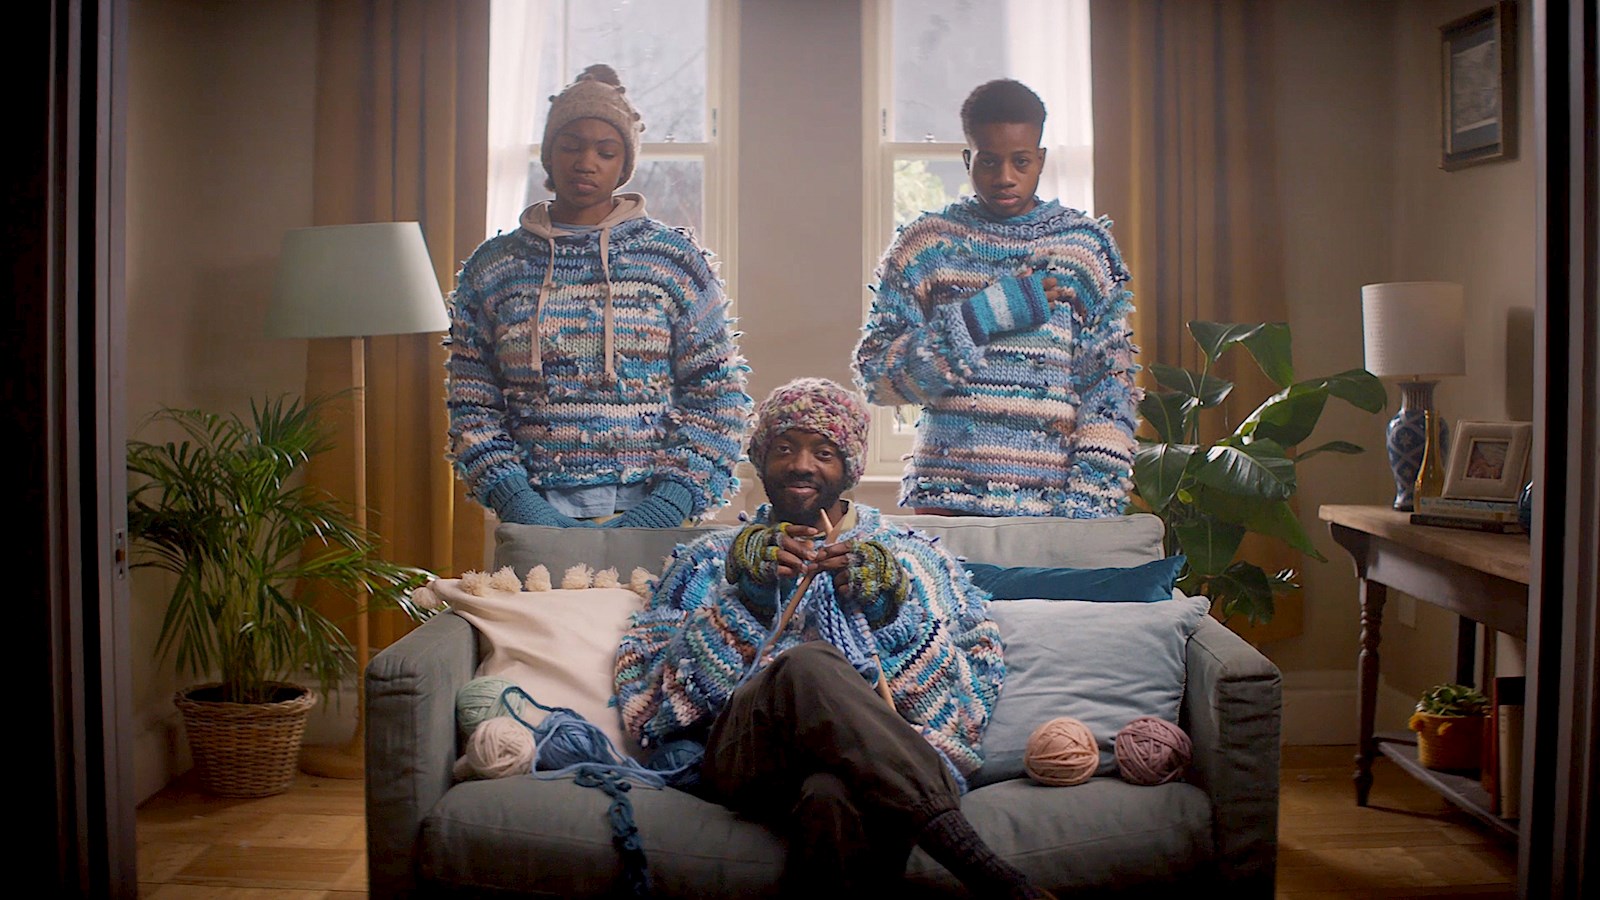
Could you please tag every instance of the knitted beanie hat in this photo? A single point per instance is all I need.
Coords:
(817, 405)
(596, 94)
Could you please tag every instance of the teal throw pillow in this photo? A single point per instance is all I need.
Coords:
(1135, 584)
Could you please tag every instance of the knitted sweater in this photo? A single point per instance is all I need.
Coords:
(686, 652)
(1039, 422)
(604, 357)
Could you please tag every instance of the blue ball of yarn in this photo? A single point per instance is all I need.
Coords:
(566, 738)
(482, 699)
(678, 761)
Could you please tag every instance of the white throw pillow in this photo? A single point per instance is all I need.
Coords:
(558, 645)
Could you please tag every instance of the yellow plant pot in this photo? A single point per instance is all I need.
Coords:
(1448, 743)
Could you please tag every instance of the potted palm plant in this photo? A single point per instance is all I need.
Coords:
(1448, 720)
(1211, 487)
(224, 509)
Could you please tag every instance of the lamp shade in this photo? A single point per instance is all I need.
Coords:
(355, 281)
(1414, 329)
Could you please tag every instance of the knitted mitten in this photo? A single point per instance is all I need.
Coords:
(874, 581)
(514, 500)
(1011, 304)
(754, 555)
(666, 507)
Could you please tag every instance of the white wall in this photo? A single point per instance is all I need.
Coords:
(220, 161)
(219, 165)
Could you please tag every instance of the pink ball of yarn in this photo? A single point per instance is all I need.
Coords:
(1151, 750)
(1061, 752)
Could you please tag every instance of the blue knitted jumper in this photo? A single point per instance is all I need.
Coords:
(685, 653)
(603, 357)
(1037, 421)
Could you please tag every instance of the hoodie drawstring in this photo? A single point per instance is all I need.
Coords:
(538, 309)
(549, 282)
(605, 269)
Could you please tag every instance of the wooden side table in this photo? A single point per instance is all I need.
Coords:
(1481, 577)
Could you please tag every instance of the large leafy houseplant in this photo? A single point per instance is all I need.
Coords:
(1212, 492)
(223, 508)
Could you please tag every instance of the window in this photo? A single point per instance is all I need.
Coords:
(922, 58)
(673, 56)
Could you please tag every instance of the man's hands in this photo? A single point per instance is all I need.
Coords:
(865, 574)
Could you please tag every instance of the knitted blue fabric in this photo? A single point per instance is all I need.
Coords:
(1035, 422)
(666, 507)
(1010, 304)
(514, 500)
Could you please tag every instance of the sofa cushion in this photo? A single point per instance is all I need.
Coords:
(1042, 541)
(1145, 583)
(553, 837)
(524, 546)
(558, 645)
(1104, 664)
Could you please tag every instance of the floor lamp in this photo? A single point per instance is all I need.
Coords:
(354, 281)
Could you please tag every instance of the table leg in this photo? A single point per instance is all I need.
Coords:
(1466, 650)
(1373, 596)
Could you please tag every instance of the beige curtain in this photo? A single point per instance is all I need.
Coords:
(1185, 166)
(402, 104)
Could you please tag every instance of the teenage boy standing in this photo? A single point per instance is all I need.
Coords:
(1006, 318)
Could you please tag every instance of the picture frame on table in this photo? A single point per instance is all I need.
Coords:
(1488, 461)
(1478, 55)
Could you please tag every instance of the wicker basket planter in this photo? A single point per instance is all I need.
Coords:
(1449, 743)
(245, 749)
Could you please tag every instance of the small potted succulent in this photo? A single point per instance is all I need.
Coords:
(1449, 724)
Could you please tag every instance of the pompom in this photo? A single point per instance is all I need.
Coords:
(505, 580)
(1061, 752)
(642, 582)
(1151, 750)
(606, 578)
(538, 579)
(474, 582)
(482, 699)
(499, 747)
(602, 73)
(425, 598)
(576, 578)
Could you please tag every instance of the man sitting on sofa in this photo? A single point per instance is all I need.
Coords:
(794, 711)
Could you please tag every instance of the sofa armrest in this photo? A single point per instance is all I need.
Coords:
(1232, 707)
(410, 742)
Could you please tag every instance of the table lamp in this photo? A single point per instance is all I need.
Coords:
(1414, 331)
(354, 281)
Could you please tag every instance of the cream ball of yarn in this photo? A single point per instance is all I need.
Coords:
(1061, 752)
(499, 747)
(1150, 750)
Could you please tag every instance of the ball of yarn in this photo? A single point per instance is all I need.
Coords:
(498, 747)
(566, 739)
(1151, 750)
(1060, 752)
(481, 699)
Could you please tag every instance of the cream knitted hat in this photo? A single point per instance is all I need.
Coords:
(596, 94)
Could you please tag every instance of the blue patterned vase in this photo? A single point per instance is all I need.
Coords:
(1406, 438)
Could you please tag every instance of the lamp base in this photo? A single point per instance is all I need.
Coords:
(344, 761)
(1407, 437)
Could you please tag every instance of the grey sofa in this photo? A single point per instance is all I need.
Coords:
(428, 835)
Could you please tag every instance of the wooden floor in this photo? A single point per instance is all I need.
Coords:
(310, 842)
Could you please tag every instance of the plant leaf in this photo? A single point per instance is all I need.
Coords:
(1244, 589)
(1359, 388)
(1258, 469)
(1287, 417)
(1274, 519)
(1209, 390)
(1344, 447)
(1209, 543)
(1168, 413)
(1158, 470)
(1268, 343)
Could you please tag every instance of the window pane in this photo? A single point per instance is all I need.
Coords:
(922, 184)
(674, 190)
(939, 57)
(658, 49)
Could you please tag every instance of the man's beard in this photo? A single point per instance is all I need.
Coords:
(828, 493)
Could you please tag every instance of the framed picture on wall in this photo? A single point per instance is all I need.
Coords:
(1488, 460)
(1479, 76)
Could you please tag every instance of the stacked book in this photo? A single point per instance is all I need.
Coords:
(1478, 515)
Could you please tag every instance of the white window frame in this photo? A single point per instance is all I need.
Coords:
(717, 153)
(890, 440)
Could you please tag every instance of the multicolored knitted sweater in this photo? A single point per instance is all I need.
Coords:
(602, 357)
(695, 642)
(1039, 422)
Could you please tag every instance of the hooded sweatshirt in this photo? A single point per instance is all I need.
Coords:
(598, 357)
